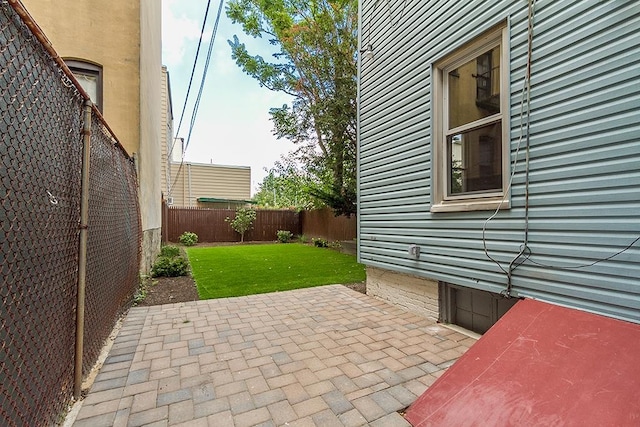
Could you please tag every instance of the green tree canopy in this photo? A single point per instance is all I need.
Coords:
(243, 221)
(286, 185)
(316, 64)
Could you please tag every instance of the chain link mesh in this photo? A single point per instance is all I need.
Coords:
(113, 240)
(40, 174)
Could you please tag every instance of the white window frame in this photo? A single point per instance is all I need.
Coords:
(441, 200)
(81, 67)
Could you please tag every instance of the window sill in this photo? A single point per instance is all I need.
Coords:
(470, 205)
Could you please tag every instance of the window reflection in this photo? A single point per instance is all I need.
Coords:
(474, 89)
(475, 160)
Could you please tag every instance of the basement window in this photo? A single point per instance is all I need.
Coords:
(472, 309)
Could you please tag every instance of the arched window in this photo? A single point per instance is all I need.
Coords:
(89, 75)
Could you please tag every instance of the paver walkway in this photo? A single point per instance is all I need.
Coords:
(324, 356)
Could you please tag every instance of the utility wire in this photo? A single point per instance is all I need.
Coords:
(525, 254)
(578, 267)
(402, 12)
(525, 251)
(524, 136)
(196, 105)
(193, 71)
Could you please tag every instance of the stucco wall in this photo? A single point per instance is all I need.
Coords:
(124, 37)
(150, 127)
(107, 33)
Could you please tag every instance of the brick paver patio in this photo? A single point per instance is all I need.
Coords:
(324, 356)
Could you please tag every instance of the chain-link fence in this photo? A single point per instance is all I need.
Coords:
(41, 125)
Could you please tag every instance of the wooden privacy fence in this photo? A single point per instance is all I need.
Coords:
(210, 225)
(323, 223)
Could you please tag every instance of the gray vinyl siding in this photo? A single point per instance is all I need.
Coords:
(584, 181)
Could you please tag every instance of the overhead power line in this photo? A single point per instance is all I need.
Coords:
(193, 71)
(196, 105)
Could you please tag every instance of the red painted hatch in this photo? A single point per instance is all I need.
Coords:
(541, 365)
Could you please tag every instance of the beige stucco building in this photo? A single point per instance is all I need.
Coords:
(115, 50)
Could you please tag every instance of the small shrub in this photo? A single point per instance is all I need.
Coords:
(143, 288)
(170, 267)
(320, 242)
(284, 236)
(188, 239)
(243, 221)
(169, 251)
(303, 238)
(335, 245)
(139, 296)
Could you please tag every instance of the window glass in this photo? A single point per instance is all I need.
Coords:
(89, 75)
(470, 145)
(474, 89)
(89, 83)
(475, 160)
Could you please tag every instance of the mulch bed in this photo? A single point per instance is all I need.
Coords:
(167, 290)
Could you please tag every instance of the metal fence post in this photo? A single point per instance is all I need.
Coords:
(82, 256)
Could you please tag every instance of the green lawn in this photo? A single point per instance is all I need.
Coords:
(228, 271)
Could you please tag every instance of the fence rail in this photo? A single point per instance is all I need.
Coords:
(210, 225)
(323, 223)
(41, 123)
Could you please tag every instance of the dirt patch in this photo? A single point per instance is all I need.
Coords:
(359, 286)
(167, 290)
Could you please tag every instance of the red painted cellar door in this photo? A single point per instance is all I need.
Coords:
(541, 365)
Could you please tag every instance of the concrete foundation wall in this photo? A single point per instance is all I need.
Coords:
(415, 294)
(151, 239)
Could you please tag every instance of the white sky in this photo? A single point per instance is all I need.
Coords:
(233, 126)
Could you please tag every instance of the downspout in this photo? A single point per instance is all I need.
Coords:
(82, 255)
(185, 194)
(189, 170)
(167, 175)
(358, 106)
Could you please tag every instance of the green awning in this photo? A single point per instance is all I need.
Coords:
(217, 200)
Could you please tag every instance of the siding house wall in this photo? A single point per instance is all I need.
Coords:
(167, 131)
(584, 182)
(194, 180)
